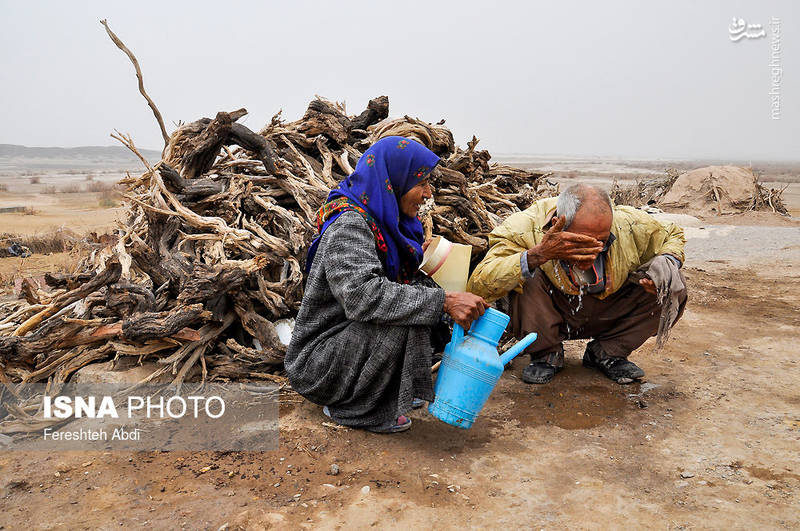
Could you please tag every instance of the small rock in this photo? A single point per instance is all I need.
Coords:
(63, 467)
(365, 490)
(334, 470)
(274, 518)
(642, 404)
(681, 484)
(687, 475)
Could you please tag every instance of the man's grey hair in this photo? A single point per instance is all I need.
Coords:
(570, 200)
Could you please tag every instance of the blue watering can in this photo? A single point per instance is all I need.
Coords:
(471, 367)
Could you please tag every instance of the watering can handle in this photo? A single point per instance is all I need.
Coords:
(458, 334)
(514, 351)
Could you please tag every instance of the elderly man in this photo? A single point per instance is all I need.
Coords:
(577, 267)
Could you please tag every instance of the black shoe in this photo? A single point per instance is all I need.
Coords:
(620, 370)
(539, 372)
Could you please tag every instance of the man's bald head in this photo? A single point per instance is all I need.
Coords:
(584, 201)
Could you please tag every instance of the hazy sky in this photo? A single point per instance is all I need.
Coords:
(630, 79)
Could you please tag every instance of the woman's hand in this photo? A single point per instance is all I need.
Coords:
(464, 307)
(425, 244)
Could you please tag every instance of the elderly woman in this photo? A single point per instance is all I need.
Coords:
(362, 341)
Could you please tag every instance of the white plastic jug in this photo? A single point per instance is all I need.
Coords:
(447, 263)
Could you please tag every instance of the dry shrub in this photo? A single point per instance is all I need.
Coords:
(50, 189)
(30, 211)
(56, 241)
(89, 177)
(71, 188)
(3, 188)
(109, 198)
(99, 186)
(36, 180)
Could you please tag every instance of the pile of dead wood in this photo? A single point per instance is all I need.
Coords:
(647, 191)
(212, 252)
(710, 190)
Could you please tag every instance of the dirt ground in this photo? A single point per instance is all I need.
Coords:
(709, 440)
(79, 213)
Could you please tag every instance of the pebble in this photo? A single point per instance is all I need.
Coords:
(365, 490)
(334, 470)
(687, 475)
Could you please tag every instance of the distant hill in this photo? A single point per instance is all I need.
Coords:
(13, 156)
(94, 153)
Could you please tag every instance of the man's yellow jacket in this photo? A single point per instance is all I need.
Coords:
(639, 237)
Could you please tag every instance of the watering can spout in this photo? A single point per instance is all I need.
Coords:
(514, 351)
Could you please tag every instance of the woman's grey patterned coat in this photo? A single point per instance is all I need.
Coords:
(362, 343)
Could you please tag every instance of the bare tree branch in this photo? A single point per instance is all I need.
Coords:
(150, 102)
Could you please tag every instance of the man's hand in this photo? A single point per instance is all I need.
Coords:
(464, 307)
(560, 245)
(648, 285)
